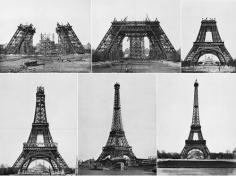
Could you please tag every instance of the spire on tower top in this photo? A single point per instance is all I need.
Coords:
(196, 83)
(117, 85)
(40, 89)
(195, 119)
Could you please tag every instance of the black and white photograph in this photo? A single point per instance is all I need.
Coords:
(38, 129)
(117, 125)
(45, 36)
(117, 87)
(135, 36)
(208, 34)
(195, 124)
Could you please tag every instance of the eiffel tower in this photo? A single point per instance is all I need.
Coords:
(191, 143)
(22, 40)
(216, 46)
(110, 48)
(33, 149)
(117, 145)
(68, 40)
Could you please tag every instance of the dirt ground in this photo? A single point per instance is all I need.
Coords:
(144, 67)
(68, 63)
(209, 69)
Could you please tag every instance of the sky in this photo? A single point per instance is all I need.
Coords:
(96, 97)
(17, 102)
(44, 15)
(104, 11)
(217, 102)
(192, 12)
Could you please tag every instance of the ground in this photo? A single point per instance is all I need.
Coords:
(136, 171)
(136, 67)
(67, 63)
(209, 69)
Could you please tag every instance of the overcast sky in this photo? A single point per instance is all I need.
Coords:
(44, 15)
(17, 102)
(166, 11)
(216, 105)
(96, 97)
(194, 10)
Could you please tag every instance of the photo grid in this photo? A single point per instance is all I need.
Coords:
(108, 87)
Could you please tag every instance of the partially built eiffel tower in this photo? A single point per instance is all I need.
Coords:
(110, 48)
(68, 42)
(22, 40)
(215, 47)
(34, 149)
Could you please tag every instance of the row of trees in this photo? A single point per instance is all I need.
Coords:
(167, 155)
(174, 155)
(8, 171)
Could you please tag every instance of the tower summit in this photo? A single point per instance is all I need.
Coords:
(117, 145)
(195, 145)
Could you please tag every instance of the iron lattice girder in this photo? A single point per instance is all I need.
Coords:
(195, 130)
(120, 148)
(191, 143)
(68, 40)
(160, 44)
(22, 40)
(140, 27)
(208, 25)
(209, 44)
(46, 150)
(117, 144)
(40, 129)
(216, 46)
(117, 140)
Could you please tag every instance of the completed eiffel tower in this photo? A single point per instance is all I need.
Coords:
(191, 143)
(34, 149)
(117, 145)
